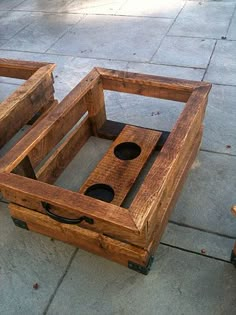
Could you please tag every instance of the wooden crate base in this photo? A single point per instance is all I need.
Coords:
(94, 218)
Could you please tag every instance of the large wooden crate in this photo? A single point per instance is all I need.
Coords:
(35, 95)
(94, 218)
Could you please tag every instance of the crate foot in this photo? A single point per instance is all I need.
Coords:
(20, 223)
(233, 258)
(141, 269)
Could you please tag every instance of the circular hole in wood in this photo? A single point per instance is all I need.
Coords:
(101, 191)
(127, 151)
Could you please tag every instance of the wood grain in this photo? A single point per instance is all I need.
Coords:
(121, 174)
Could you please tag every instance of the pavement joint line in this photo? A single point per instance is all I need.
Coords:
(202, 230)
(213, 50)
(60, 281)
(161, 41)
(216, 152)
(230, 22)
(199, 37)
(82, 18)
(197, 253)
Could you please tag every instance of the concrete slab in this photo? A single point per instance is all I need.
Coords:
(43, 5)
(12, 22)
(25, 259)
(203, 19)
(207, 196)
(167, 71)
(198, 241)
(152, 8)
(232, 30)
(184, 51)
(220, 130)
(113, 37)
(8, 5)
(40, 35)
(94, 6)
(2, 42)
(6, 90)
(179, 283)
(222, 68)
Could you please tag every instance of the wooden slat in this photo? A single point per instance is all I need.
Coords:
(25, 102)
(38, 138)
(63, 155)
(94, 242)
(108, 218)
(111, 129)
(121, 174)
(163, 172)
(95, 103)
(161, 217)
(25, 169)
(21, 69)
(148, 85)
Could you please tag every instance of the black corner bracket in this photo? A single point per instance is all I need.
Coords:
(233, 258)
(20, 223)
(141, 269)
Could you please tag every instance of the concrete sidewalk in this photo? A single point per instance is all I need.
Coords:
(183, 39)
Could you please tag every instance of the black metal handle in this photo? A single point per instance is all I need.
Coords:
(61, 219)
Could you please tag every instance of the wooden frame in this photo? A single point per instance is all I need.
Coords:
(127, 236)
(34, 95)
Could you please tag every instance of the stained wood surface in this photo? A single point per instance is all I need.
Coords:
(47, 132)
(21, 69)
(95, 103)
(161, 217)
(94, 242)
(121, 174)
(63, 155)
(148, 85)
(111, 129)
(108, 218)
(25, 102)
(163, 172)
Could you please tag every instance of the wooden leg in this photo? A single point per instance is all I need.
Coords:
(96, 107)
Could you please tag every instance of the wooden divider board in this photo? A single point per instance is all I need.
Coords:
(120, 174)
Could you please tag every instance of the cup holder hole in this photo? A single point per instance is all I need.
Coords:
(127, 151)
(100, 191)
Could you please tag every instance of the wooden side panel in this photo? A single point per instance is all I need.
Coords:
(161, 217)
(171, 158)
(85, 239)
(21, 69)
(108, 218)
(121, 174)
(59, 160)
(25, 102)
(148, 85)
(95, 103)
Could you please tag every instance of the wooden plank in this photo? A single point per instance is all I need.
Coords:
(21, 69)
(170, 159)
(91, 241)
(25, 102)
(118, 173)
(111, 129)
(95, 103)
(58, 161)
(148, 85)
(161, 217)
(108, 218)
(53, 122)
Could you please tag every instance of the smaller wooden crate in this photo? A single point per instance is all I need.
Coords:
(35, 95)
(94, 217)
